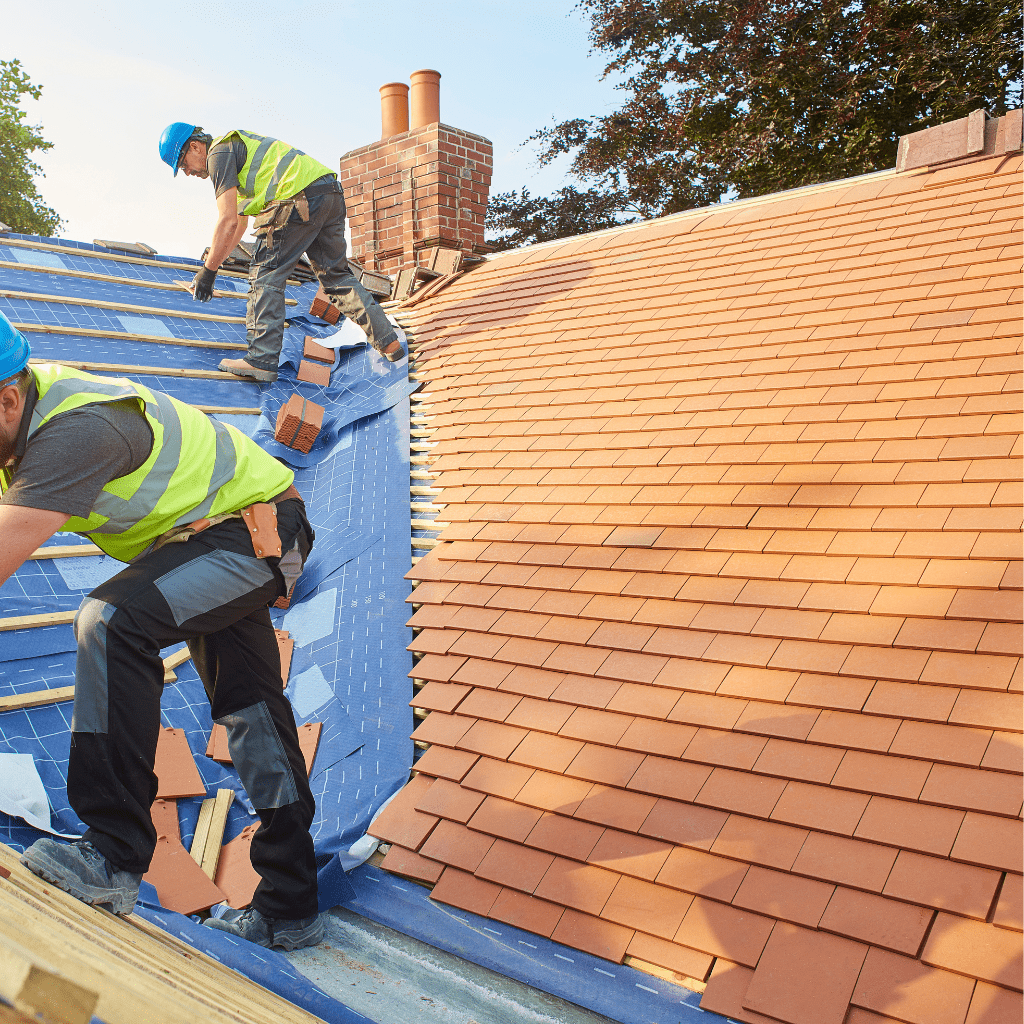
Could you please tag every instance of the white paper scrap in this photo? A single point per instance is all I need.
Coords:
(22, 794)
(313, 619)
(88, 571)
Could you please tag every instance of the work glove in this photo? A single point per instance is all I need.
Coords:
(202, 285)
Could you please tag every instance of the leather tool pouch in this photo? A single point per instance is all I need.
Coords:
(276, 215)
(261, 521)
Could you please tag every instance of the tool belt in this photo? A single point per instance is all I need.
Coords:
(275, 215)
(261, 521)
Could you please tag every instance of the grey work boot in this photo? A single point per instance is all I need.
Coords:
(240, 368)
(81, 870)
(272, 932)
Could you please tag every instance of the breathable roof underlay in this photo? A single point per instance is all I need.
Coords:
(722, 650)
(111, 313)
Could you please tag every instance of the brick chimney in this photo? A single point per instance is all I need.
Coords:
(422, 185)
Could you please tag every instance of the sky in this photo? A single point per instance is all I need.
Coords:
(115, 73)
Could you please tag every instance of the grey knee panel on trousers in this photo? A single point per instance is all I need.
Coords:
(91, 687)
(208, 582)
(260, 758)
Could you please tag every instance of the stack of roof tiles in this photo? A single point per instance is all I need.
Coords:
(722, 649)
(298, 423)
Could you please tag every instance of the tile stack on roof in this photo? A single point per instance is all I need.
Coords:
(722, 647)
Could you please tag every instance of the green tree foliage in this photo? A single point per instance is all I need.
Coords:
(21, 206)
(737, 98)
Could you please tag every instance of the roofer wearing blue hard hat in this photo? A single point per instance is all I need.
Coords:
(299, 208)
(214, 532)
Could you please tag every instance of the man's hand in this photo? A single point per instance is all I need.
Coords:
(23, 530)
(202, 285)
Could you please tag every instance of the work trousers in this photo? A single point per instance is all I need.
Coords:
(322, 239)
(212, 592)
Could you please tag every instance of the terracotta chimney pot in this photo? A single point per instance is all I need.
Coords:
(426, 97)
(394, 109)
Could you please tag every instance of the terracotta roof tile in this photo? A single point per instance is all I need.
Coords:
(412, 865)
(504, 818)
(990, 1003)
(442, 762)
(877, 773)
(524, 911)
(805, 976)
(782, 521)
(909, 990)
(449, 800)
(592, 935)
(462, 890)
(510, 864)
(990, 842)
(724, 931)
(496, 777)
(862, 865)
(759, 842)
(947, 743)
(437, 696)
(454, 844)
(976, 949)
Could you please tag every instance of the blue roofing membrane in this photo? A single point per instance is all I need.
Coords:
(350, 668)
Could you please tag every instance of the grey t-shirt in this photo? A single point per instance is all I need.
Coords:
(65, 464)
(223, 162)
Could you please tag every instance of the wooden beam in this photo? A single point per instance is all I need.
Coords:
(54, 695)
(215, 836)
(85, 275)
(173, 661)
(31, 621)
(202, 831)
(157, 339)
(37, 698)
(229, 410)
(66, 551)
(124, 307)
(17, 243)
(140, 971)
(155, 371)
(66, 250)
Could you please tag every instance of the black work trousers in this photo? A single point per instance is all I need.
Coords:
(212, 592)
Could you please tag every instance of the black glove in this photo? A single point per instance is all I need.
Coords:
(202, 286)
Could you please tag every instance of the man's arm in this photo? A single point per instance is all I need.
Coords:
(229, 230)
(23, 530)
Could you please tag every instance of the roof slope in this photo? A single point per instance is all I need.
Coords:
(722, 647)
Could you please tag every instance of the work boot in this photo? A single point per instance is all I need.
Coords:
(81, 870)
(272, 932)
(240, 368)
(395, 349)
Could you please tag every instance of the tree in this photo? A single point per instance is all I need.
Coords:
(21, 206)
(737, 98)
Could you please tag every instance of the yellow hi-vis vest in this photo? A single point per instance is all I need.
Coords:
(273, 170)
(198, 467)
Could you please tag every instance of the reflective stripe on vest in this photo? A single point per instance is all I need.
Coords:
(273, 170)
(198, 466)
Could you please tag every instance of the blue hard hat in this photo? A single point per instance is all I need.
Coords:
(14, 350)
(171, 142)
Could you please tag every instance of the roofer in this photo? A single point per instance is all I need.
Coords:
(299, 208)
(213, 532)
